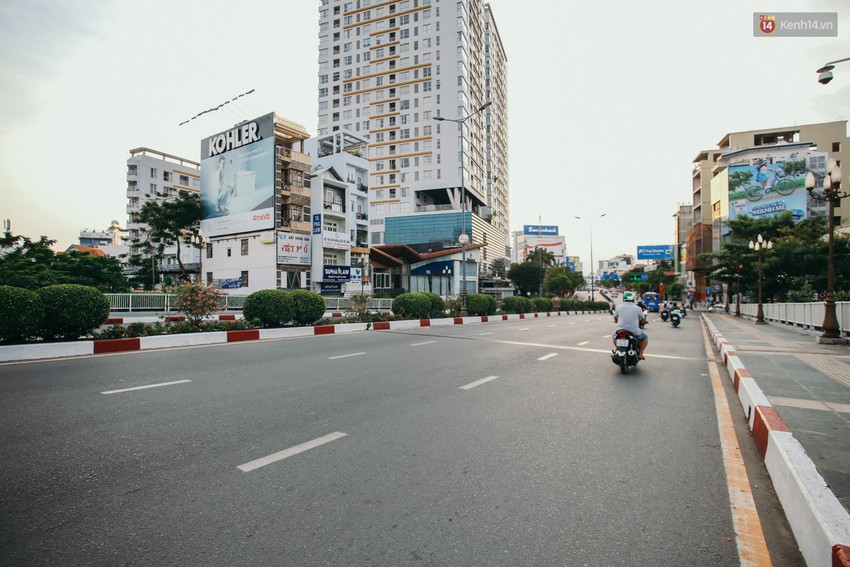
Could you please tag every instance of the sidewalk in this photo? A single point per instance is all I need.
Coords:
(808, 386)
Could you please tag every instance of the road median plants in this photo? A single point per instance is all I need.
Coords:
(419, 305)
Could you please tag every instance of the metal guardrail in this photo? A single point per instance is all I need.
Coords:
(165, 302)
(806, 315)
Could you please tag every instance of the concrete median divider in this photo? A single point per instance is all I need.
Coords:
(38, 351)
(820, 523)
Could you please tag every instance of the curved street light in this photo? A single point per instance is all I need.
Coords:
(464, 238)
(592, 269)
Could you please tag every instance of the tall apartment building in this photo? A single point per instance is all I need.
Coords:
(386, 71)
(157, 176)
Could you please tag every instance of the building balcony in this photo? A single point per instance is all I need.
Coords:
(362, 216)
(333, 208)
(436, 208)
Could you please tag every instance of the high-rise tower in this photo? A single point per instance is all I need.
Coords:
(386, 71)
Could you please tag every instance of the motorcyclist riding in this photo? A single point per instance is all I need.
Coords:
(630, 317)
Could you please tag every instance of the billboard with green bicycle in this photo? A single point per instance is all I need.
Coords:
(770, 181)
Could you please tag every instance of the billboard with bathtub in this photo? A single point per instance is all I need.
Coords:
(771, 180)
(237, 178)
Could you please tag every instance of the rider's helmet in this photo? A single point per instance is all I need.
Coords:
(629, 296)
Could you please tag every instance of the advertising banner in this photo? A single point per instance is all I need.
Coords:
(540, 230)
(659, 252)
(335, 241)
(237, 179)
(765, 183)
(553, 244)
(317, 223)
(293, 249)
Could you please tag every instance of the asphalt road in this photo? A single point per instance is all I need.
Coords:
(517, 443)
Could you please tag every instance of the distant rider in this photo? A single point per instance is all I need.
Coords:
(630, 317)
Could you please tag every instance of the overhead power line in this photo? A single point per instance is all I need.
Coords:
(216, 107)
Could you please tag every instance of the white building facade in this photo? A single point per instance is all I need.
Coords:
(340, 197)
(386, 71)
(157, 176)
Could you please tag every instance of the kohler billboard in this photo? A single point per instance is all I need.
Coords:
(237, 178)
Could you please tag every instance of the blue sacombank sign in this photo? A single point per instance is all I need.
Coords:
(540, 230)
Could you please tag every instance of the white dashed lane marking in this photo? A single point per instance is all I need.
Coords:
(477, 383)
(548, 356)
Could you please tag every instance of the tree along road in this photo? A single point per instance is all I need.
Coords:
(512, 443)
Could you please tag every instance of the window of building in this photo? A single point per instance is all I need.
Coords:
(209, 250)
(209, 278)
(166, 176)
(228, 252)
(153, 172)
(184, 180)
(245, 279)
(244, 247)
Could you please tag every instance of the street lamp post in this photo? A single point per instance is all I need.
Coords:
(590, 225)
(760, 244)
(447, 273)
(464, 238)
(832, 195)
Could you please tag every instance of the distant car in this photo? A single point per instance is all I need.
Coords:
(614, 294)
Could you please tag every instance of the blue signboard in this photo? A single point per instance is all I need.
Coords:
(571, 265)
(317, 223)
(661, 252)
(540, 230)
(330, 288)
(434, 269)
(336, 273)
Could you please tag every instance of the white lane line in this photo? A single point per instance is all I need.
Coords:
(346, 355)
(583, 343)
(606, 336)
(286, 453)
(482, 334)
(553, 325)
(548, 356)
(425, 343)
(145, 387)
(523, 329)
(478, 383)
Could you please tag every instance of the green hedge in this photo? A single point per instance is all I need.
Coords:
(517, 304)
(480, 304)
(21, 313)
(309, 306)
(418, 305)
(542, 304)
(271, 307)
(71, 310)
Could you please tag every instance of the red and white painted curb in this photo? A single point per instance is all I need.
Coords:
(820, 523)
(14, 353)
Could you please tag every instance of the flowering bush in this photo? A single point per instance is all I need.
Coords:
(197, 301)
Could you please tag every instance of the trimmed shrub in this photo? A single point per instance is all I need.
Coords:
(197, 301)
(271, 307)
(309, 306)
(21, 313)
(71, 310)
(438, 306)
(516, 304)
(412, 306)
(480, 304)
(542, 304)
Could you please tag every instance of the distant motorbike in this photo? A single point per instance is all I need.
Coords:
(675, 317)
(665, 314)
(626, 355)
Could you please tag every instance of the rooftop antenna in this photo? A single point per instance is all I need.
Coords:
(213, 109)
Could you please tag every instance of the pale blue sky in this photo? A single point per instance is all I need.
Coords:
(609, 101)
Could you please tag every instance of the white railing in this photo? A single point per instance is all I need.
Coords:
(806, 315)
(165, 302)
